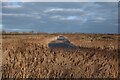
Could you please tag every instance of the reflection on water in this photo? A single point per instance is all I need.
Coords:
(60, 45)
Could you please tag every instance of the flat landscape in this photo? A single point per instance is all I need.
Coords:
(28, 56)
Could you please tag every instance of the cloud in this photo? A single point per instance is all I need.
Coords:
(62, 0)
(12, 5)
(1, 27)
(21, 15)
(16, 29)
(63, 10)
(7, 14)
(82, 19)
(72, 16)
(56, 17)
(93, 12)
(65, 17)
(100, 18)
(77, 19)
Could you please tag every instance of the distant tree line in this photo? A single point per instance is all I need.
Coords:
(22, 33)
(55, 33)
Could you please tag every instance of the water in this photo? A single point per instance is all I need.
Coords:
(60, 45)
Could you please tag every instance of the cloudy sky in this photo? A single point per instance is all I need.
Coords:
(60, 0)
(84, 17)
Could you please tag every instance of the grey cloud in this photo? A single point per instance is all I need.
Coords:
(64, 1)
(22, 15)
(100, 18)
(74, 18)
(63, 10)
(19, 30)
(0, 27)
(63, 17)
(12, 5)
(27, 15)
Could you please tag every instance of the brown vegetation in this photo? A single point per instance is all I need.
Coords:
(28, 56)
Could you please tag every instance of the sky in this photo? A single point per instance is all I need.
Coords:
(83, 17)
(60, 0)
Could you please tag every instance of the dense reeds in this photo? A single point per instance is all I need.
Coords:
(28, 56)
